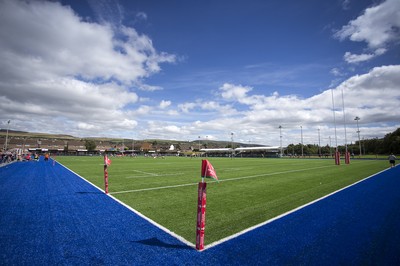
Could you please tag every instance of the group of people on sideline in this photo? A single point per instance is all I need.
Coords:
(9, 157)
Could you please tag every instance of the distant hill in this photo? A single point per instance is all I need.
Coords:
(12, 131)
(156, 142)
(15, 133)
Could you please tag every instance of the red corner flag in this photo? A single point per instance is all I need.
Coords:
(107, 161)
(207, 170)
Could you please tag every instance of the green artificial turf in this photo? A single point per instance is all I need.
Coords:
(250, 190)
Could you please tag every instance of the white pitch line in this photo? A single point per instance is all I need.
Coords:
(183, 240)
(157, 175)
(223, 180)
(152, 188)
(284, 214)
(146, 173)
(166, 230)
(276, 173)
(237, 169)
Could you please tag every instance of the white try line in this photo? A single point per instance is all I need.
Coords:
(237, 169)
(285, 214)
(154, 175)
(166, 230)
(223, 180)
(152, 188)
(183, 240)
(146, 173)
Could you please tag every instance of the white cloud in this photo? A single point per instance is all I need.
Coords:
(186, 107)
(356, 58)
(141, 16)
(172, 113)
(207, 108)
(336, 72)
(234, 92)
(146, 87)
(164, 104)
(172, 129)
(60, 72)
(60, 43)
(345, 4)
(374, 96)
(86, 126)
(161, 129)
(378, 26)
(55, 63)
(143, 110)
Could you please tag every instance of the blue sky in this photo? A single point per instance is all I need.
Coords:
(184, 69)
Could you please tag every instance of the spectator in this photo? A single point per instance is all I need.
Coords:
(392, 160)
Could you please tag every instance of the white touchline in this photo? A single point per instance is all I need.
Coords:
(180, 238)
(284, 214)
(183, 240)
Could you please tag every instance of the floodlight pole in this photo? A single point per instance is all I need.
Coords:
(232, 144)
(8, 127)
(347, 155)
(319, 142)
(337, 154)
(358, 132)
(280, 136)
(334, 119)
(199, 143)
(302, 150)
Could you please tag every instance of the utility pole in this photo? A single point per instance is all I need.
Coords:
(280, 136)
(233, 151)
(302, 150)
(319, 142)
(358, 132)
(8, 127)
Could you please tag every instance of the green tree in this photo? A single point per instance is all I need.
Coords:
(90, 145)
(391, 142)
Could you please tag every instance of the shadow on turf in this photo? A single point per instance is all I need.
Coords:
(156, 242)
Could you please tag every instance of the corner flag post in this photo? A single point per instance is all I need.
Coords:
(107, 162)
(207, 171)
(105, 179)
(201, 215)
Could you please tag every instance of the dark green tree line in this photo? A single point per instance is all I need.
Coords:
(389, 144)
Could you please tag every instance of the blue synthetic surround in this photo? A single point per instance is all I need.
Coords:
(50, 216)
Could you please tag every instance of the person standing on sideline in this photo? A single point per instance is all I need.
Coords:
(392, 160)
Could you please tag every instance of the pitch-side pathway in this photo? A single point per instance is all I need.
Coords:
(50, 216)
